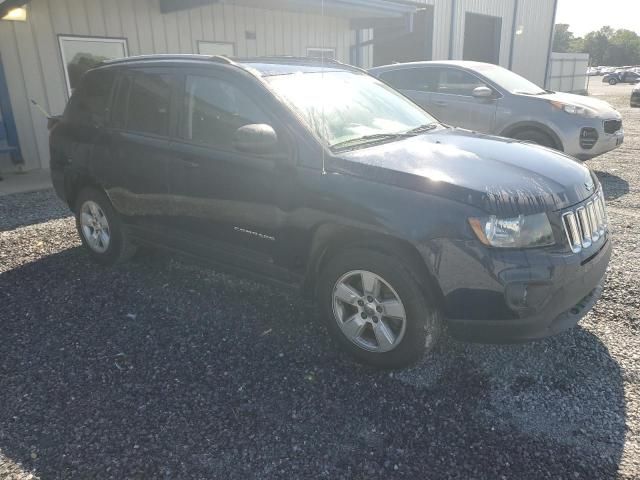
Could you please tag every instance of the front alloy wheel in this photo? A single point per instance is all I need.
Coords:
(377, 307)
(369, 311)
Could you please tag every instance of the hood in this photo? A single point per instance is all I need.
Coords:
(602, 108)
(498, 175)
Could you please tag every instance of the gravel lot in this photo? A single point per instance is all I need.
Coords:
(162, 368)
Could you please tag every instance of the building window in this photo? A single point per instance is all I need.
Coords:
(79, 54)
(321, 53)
(223, 49)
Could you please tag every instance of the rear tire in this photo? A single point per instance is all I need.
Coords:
(395, 328)
(536, 137)
(100, 228)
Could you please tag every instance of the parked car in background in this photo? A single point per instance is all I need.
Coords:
(320, 177)
(624, 76)
(635, 97)
(593, 71)
(491, 99)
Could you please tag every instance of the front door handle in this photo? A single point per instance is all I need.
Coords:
(190, 164)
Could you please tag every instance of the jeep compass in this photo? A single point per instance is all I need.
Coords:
(317, 176)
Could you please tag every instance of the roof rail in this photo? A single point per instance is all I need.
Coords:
(294, 59)
(170, 56)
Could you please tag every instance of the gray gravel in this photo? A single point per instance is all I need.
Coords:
(166, 369)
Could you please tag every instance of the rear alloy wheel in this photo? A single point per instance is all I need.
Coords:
(377, 310)
(101, 229)
(95, 227)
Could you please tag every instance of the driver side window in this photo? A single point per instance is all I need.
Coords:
(214, 109)
(458, 82)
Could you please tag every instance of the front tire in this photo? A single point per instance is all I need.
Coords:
(376, 310)
(101, 229)
(613, 81)
(536, 137)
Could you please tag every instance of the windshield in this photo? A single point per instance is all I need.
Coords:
(341, 106)
(512, 82)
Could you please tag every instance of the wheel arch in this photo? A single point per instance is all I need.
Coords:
(74, 184)
(532, 125)
(330, 239)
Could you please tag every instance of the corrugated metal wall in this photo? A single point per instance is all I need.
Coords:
(31, 56)
(534, 28)
(568, 72)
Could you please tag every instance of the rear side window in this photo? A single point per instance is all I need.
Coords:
(416, 79)
(215, 109)
(90, 104)
(120, 105)
(147, 108)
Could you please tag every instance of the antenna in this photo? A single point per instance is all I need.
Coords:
(322, 121)
(42, 110)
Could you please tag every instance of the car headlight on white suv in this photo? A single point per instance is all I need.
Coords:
(574, 109)
(523, 231)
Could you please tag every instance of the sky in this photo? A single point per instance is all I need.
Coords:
(584, 16)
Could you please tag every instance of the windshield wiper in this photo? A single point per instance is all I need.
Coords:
(422, 128)
(370, 138)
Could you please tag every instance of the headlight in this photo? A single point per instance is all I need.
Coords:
(523, 231)
(574, 109)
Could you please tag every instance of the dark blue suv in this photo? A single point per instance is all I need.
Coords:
(319, 177)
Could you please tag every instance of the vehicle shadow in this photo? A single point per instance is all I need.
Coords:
(24, 209)
(614, 186)
(163, 369)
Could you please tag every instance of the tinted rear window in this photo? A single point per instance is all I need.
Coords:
(121, 103)
(90, 103)
(149, 100)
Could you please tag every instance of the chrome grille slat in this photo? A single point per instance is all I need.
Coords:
(586, 224)
(598, 208)
(573, 232)
(593, 221)
(583, 220)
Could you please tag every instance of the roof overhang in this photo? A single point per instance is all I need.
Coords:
(352, 9)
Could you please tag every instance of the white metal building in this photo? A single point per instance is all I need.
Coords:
(46, 44)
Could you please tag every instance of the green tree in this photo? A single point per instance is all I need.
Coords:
(562, 38)
(597, 44)
(605, 46)
(624, 48)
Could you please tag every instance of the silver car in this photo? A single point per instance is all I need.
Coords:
(490, 99)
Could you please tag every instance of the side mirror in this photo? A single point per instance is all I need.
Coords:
(259, 139)
(482, 92)
(53, 121)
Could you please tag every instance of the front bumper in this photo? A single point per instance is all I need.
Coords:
(571, 138)
(511, 297)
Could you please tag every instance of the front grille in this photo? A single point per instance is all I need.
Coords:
(612, 126)
(588, 138)
(586, 224)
